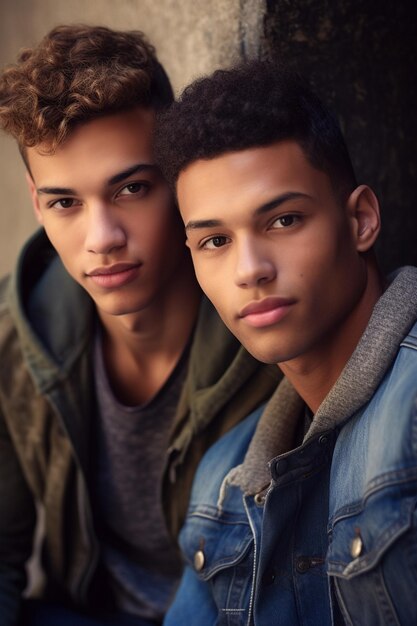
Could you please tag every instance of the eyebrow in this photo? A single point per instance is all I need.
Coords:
(139, 167)
(117, 178)
(264, 208)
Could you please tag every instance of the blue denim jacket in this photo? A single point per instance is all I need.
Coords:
(335, 539)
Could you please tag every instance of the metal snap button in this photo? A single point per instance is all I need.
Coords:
(302, 564)
(281, 467)
(356, 547)
(259, 498)
(199, 560)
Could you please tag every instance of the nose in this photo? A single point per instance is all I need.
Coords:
(253, 265)
(104, 232)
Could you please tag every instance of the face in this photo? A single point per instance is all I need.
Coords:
(108, 212)
(273, 248)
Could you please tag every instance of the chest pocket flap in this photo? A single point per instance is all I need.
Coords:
(212, 542)
(362, 535)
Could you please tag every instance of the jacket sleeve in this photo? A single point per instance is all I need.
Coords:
(17, 523)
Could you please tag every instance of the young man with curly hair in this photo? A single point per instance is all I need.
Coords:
(307, 516)
(116, 375)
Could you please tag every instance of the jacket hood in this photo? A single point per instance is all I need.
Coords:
(52, 313)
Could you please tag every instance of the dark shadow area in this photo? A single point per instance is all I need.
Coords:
(361, 57)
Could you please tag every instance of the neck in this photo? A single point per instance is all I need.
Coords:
(142, 349)
(313, 374)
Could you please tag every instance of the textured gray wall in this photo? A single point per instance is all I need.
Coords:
(192, 37)
(360, 55)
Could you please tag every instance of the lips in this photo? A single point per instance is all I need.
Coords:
(110, 276)
(265, 312)
(112, 269)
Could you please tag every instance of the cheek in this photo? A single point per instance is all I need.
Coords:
(66, 232)
(62, 239)
(204, 280)
(209, 283)
(324, 259)
(161, 224)
(146, 232)
(333, 282)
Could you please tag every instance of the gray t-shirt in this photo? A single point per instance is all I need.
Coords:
(130, 453)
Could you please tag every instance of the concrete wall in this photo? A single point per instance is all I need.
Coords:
(192, 37)
(361, 57)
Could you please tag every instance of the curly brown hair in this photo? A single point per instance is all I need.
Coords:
(75, 74)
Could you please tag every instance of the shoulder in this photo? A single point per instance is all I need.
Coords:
(397, 392)
(372, 500)
(378, 445)
(7, 324)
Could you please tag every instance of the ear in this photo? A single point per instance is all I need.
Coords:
(34, 198)
(363, 209)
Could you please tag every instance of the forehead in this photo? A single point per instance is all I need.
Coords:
(249, 178)
(101, 144)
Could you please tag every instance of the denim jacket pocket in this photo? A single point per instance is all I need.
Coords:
(372, 559)
(219, 548)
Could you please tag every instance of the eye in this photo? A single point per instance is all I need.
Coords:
(134, 189)
(63, 203)
(284, 221)
(214, 242)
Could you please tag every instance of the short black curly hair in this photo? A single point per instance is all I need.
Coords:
(253, 104)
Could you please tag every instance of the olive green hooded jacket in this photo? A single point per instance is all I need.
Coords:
(47, 407)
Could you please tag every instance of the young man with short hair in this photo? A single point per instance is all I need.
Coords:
(116, 375)
(309, 515)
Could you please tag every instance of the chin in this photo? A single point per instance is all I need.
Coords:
(117, 309)
(263, 355)
(269, 354)
(265, 358)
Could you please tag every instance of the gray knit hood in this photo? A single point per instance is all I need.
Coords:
(393, 316)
